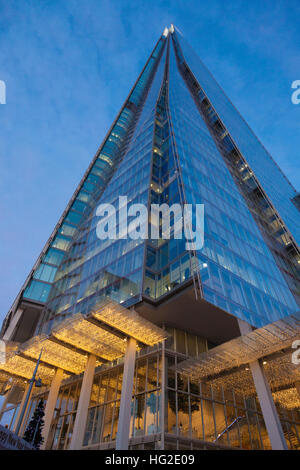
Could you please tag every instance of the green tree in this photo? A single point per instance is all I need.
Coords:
(183, 404)
(33, 433)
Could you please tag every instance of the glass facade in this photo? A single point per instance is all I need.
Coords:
(91, 187)
(103, 414)
(64, 416)
(200, 411)
(168, 265)
(168, 410)
(237, 269)
(276, 185)
(93, 270)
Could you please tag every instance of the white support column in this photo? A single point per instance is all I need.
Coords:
(14, 321)
(4, 404)
(50, 405)
(83, 404)
(21, 407)
(266, 401)
(122, 440)
(12, 396)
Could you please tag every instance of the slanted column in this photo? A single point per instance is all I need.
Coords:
(265, 397)
(50, 405)
(21, 408)
(122, 440)
(83, 404)
(11, 328)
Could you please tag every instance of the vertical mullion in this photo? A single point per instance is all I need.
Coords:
(213, 407)
(67, 431)
(248, 424)
(146, 393)
(163, 391)
(202, 415)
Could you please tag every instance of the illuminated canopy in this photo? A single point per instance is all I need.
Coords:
(130, 323)
(259, 343)
(227, 365)
(102, 333)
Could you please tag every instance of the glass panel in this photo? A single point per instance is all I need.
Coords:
(196, 418)
(70, 430)
(183, 414)
(45, 273)
(151, 413)
(220, 423)
(170, 366)
(171, 422)
(98, 423)
(106, 434)
(115, 421)
(152, 373)
(103, 388)
(53, 257)
(141, 375)
(180, 341)
(139, 415)
(64, 430)
(37, 291)
(208, 420)
(192, 345)
(89, 426)
(112, 387)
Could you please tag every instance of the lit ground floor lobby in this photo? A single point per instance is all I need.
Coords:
(179, 392)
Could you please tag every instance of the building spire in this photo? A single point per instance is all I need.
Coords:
(166, 32)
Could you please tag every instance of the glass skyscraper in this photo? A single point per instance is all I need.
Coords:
(177, 139)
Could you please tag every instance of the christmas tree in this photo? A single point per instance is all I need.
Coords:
(33, 433)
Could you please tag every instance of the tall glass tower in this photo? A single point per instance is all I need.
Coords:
(177, 139)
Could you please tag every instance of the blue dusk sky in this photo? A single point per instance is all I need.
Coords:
(68, 65)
